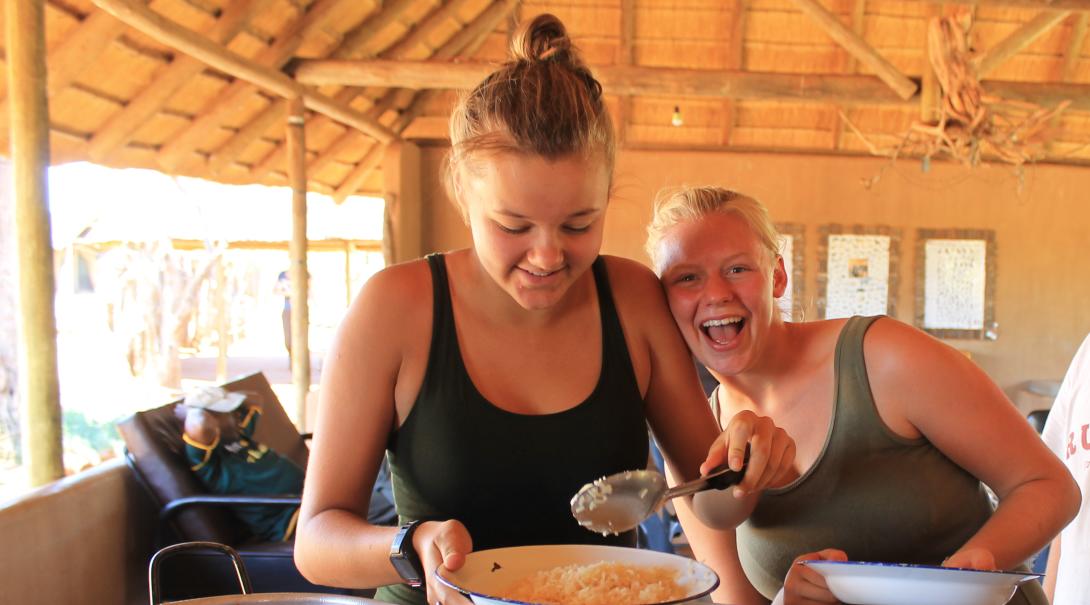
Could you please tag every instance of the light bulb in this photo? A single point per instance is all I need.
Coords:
(676, 118)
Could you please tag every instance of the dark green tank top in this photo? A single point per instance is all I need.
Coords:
(510, 477)
(871, 493)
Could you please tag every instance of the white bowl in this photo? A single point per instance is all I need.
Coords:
(863, 583)
(488, 573)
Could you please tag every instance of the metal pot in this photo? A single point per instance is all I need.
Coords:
(248, 596)
(278, 598)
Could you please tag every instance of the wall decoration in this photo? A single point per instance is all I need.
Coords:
(792, 249)
(859, 270)
(955, 283)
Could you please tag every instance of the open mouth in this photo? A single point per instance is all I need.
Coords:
(722, 331)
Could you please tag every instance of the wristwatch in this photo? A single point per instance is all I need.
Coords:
(403, 555)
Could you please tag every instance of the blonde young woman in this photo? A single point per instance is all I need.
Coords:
(500, 378)
(895, 431)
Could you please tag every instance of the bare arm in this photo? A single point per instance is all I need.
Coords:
(964, 414)
(1051, 568)
(335, 545)
(201, 426)
(718, 549)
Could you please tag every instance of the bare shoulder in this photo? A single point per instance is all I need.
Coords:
(392, 299)
(899, 356)
(626, 273)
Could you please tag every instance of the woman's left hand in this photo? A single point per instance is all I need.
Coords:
(771, 453)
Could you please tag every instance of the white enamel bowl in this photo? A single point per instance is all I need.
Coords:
(488, 573)
(863, 583)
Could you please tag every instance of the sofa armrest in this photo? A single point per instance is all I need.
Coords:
(174, 506)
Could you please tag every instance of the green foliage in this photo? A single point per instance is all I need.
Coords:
(101, 436)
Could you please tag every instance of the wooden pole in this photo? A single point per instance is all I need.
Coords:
(348, 249)
(1018, 40)
(223, 337)
(39, 383)
(297, 175)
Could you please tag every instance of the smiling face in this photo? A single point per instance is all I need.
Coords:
(721, 284)
(537, 223)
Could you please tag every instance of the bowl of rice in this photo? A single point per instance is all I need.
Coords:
(579, 574)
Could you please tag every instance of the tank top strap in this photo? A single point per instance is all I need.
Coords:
(855, 414)
(445, 368)
(616, 362)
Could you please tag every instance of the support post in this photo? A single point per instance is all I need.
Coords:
(300, 346)
(38, 379)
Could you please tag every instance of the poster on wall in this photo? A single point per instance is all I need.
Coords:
(792, 244)
(859, 271)
(858, 275)
(954, 280)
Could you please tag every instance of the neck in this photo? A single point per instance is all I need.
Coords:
(776, 359)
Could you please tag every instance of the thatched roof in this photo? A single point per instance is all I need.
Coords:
(746, 74)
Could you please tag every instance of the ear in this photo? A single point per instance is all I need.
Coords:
(779, 277)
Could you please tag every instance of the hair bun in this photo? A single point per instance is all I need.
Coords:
(542, 39)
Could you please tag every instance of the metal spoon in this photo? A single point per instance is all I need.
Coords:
(621, 501)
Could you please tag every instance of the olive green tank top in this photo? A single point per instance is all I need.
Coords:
(871, 493)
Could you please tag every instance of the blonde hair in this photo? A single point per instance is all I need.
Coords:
(687, 204)
(543, 101)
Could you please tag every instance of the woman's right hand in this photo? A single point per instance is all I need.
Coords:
(443, 543)
(804, 585)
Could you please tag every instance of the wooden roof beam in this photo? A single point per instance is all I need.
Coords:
(735, 59)
(1075, 42)
(120, 127)
(407, 44)
(352, 41)
(1072, 5)
(626, 55)
(287, 41)
(1018, 40)
(75, 54)
(465, 43)
(137, 15)
(858, 48)
(672, 82)
(859, 16)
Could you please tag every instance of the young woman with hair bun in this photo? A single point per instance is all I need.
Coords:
(500, 378)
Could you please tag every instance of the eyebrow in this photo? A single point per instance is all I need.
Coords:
(578, 214)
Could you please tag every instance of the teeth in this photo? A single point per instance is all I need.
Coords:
(711, 323)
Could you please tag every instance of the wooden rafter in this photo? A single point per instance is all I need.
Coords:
(466, 43)
(117, 131)
(404, 47)
(352, 43)
(930, 92)
(1018, 40)
(735, 59)
(858, 48)
(137, 15)
(1076, 39)
(626, 55)
(236, 93)
(76, 54)
(654, 81)
(851, 65)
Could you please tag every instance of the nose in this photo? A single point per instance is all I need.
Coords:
(546, 252)
(719, 291)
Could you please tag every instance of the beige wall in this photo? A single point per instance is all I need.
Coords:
(1043, 275)
(84, 540)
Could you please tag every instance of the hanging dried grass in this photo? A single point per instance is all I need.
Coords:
(971, 123)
